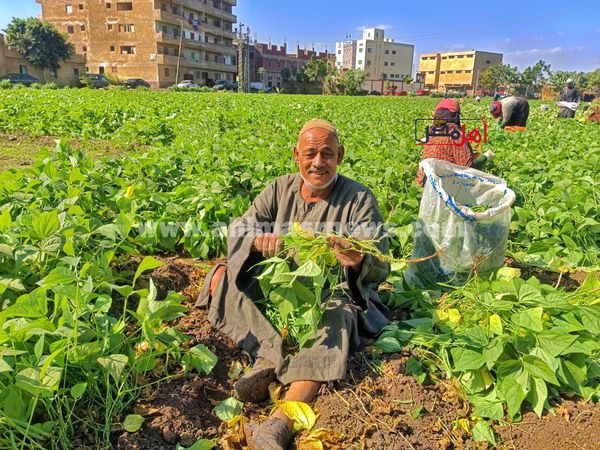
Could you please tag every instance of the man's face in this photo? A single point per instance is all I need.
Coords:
(318, 154)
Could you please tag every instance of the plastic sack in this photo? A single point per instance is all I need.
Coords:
(463, 224)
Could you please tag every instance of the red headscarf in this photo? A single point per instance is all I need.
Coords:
(448, 103)
(496, 108)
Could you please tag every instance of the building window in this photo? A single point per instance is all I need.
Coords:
(23, 69)
(126, 28)
(369, 49)
(167, 72)
(360, 50)
(82, 27)
(393, 52)
(70, 29)
(369, 75)
(101, 69)
(127, 50)
(108, 5)
(385, 63)
(393, 63)
(76, 72)
(114, 69)
(192, 36)
(487, 61)
(339, 52)
(387, 52)
(84, 48)
(69, 9)
(468, 71)
(360, 61)
(163, 7)
(80, 7)
(451, 56)
(109, 26)
(112, 48)
(128, 6)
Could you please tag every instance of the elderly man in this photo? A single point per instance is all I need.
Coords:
(568, 101)
(513, 111)
(322, 200)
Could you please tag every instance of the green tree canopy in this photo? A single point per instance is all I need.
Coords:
(594, 80)
(316, 69)
(39, 42)
(500, 75)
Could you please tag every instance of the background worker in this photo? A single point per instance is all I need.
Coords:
(568, 101)
(445, 148)
(513, 111)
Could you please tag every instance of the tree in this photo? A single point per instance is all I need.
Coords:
(286, 74)
(261, 73)
(594, 80)
(346, 82)
(534, 78)
(316, 69)
(500, 75)
(559, 79)
(39, 42)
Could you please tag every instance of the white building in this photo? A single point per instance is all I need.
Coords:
(379, 57)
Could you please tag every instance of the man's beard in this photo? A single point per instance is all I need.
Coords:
(312, 187)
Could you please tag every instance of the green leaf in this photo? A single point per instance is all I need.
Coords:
(308, 269)
(416, 412)
(228, 409)
(133, 422)
(114, 364)
(530, 319)
(148, 263)
(496, 324)
(465, 359)
(58, 276)
(388, 344)
(201, 444)
(536, 367)
(489, 410)
(78, 390)
(529, 294)
(537, 395)
(482, 432)
(4, 366)
(46, 224)
(200, 358)
(555, 341)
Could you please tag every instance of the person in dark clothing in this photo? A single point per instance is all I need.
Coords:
(569, 94)
(514, 111)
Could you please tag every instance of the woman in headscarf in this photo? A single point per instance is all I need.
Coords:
(445, 148)
(513, 111)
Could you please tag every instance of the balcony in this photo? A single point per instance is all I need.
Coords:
(209, 27)
(210, 9)
(166, 38)
(168, 17)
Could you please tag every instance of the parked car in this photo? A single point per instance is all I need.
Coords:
(226, 85)
(21, 78)
(133, 83)
(187, 84)
(94, 80)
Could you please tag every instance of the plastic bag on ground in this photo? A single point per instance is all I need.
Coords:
(463, 224)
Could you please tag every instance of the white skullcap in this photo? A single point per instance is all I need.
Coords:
(569, 80)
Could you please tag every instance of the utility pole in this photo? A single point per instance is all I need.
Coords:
(243, 46)
(179, 52)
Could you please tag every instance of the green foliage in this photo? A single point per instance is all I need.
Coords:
(286, 74)
(39, 42)
(316, 69)
(558, 80)
(500, 75)
(508, 341)
(5, 84)
(347, 82)
(594, 80)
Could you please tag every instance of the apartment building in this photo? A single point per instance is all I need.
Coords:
(67, 74)
(455, 70)
(273, 59)
(379, 57)
(161, 41)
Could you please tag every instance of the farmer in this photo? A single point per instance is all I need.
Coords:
(446, 148)
(568, 101)
(513, 111)
(321, 200)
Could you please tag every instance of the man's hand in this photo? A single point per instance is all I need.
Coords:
(490, 155)
(346, 257)
(267, 244)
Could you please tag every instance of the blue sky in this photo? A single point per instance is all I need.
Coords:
(564, 34)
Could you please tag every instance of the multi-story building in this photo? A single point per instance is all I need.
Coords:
(273, 59)
(67, 74)
(455, 70)
(379, 57)
(161, 41)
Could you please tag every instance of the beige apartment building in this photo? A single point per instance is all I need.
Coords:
(67, 74)
(455, 70)
(379, 57)
(161, 41)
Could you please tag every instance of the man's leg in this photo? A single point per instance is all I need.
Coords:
(299, 391)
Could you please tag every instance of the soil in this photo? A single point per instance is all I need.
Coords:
(386, 409)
